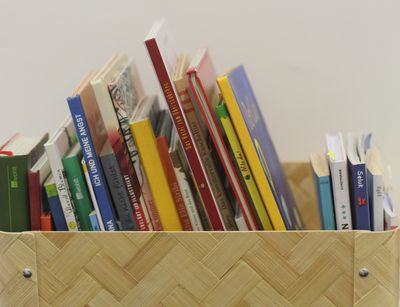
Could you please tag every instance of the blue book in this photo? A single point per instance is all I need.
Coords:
(94, 221)
(264, 146)
(359, 199)
(56, 210)
(86, 141)
(323, 188)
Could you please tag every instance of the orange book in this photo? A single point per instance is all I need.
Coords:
(166, 161)
(45, 222)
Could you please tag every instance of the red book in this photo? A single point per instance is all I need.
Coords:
(35, 199)
(163, 150)
(160, 49)
(202, 81)
(45, 222)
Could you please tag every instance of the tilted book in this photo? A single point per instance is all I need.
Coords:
(56, 210)
(340, 181)
(162, 53)
(92, 135)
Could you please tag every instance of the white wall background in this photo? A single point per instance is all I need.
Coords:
(316, 66)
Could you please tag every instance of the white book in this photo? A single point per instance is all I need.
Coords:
(340, 180)
(92, 195)
(390, 214)
(56, 148)
(375, 188)
(239, 219)
(43, 167)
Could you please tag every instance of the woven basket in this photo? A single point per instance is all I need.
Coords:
(307, 268)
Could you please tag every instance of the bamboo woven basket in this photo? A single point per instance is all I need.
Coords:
(307, 268)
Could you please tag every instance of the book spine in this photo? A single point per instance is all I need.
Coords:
(79, 191)
(92, 196)
(94, 221)
(45, 222)
(35, 199)
(118, 191)
(359, 196)
(325, 201)
(341, 196)
(92, 162)
(163, 150)
(55, 208)
(14, 196)
(63, 190)
(186, 191)
(185, 135)
(376, 201)
(146, 142)
(153, 221)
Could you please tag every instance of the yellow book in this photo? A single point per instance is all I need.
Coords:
(147, 147)
(256, 167)
(243, 166)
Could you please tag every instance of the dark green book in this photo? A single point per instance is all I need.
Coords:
(77, 184)
(17, 156)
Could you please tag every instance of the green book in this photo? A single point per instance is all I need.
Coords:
(77, 184)
(16, 157)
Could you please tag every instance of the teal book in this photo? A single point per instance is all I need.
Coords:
(17, 156)
(77, 184)
(323, 188)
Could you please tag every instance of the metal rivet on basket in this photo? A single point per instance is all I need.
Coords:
(364, 272)
(27, 273)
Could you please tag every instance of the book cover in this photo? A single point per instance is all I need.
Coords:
(358, 185)
(375, 188)
(117, 188)
(145, 140)
(340, 181)
(259, 149)
(77, 183)
(127, 93)
(93, 197)
(16, 159)
(56, 210)
(116, 138)
(243, 167)
(46, 222)
(322, 183)
(56, 148)
(94, 221)
(163, 150)
(201, 78)
(161, 50)
(92, 135)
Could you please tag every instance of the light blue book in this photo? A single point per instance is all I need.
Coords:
(323, 188)
(94, 221)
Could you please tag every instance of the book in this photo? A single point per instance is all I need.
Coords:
(239, 219)
(184, 183)
(116, 138)
(77, 184)
(323, 187)
(390, 215)
(259, 149)
(46, 222)
(56, 148)
(92, 135)
(126, 92)
(93, 197)
(358, 185)
(340, 180)
(117, 188)
(375, 188)
(17, 156)
(145, 140)
(36, 177)
(243, 167)
(94, 221)
(57, 213)
(201, 78)
(161, 50)
(163, 150)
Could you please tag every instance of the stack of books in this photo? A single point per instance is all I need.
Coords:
(353, 191)
(120, 162)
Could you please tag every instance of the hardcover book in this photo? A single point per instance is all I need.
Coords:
(161, 49)
(17, 156)
(323, 186)
(92, 135)
(259, 150)
(57, 213)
